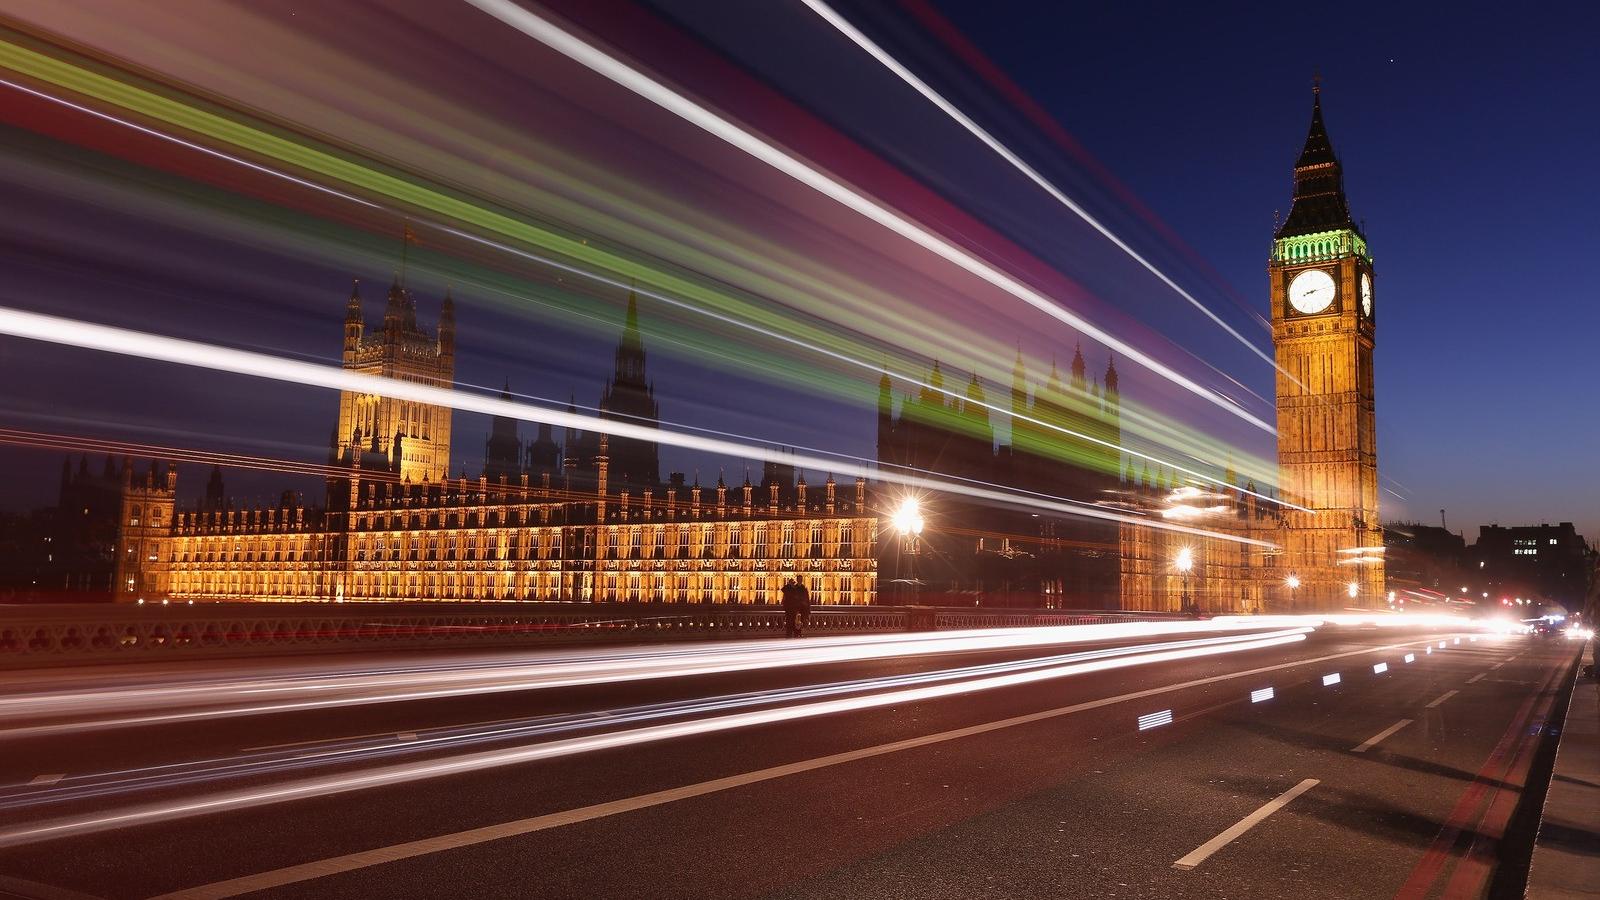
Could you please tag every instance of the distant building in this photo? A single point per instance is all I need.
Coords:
(66, 552)
(1238, 574)
(1426, 564)
(545, 521)
(416, 436)
(1063, 440)
(1544, 562)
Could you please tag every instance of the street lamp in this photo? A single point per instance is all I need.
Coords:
(907, 520)
(1352, 588)
(1184, 563)
(1294, 585)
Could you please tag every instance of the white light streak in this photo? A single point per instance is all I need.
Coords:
(145, 704)
(198, 148)
(598, 278)
(977, 131)
(74, 333)
(408, 773)
(296, 757)
(632, 79)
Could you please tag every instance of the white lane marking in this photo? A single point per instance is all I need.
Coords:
(1200, 853)
(1476, 678)
(406, 736)
(1442, 698)
(1368, 744)
(261, 881)
(1380, 668)
(1263, 694)
(1155, 719)
(1496, 666)
(1441, 645)
(1330, 679)
(46, 779)
(1411, 657)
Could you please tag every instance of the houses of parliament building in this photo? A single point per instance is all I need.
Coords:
(587, 517)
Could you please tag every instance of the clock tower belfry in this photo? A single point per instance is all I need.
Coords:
(1323, 327)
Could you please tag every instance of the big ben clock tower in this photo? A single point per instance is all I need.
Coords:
(1323, 327)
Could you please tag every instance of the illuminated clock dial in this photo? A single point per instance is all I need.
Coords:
(1366, 295)
(1311, 291)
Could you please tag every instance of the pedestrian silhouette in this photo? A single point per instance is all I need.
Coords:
(796, 607)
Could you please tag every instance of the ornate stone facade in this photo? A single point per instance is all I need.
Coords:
(546, 522)
(1323, 327)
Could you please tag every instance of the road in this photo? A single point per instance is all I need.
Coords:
(904, 766)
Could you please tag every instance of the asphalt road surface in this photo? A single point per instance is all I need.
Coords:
(1218, 763)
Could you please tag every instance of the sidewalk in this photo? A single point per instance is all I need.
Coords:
(1566, 856)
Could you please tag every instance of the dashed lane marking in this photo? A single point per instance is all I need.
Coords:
(1200, 853)
(1370, 742)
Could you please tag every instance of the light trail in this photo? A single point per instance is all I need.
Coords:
(860, 39)
(545, 260)
(855, 362)
(855, 35)
(303, 756)
(191, 145)
(405, 773)
(211, 698)
(632, 79)
(89, 336)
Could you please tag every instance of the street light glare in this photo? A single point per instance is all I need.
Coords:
(1293, 582)
(907, 519)
(1185, 560)
(1352, 588)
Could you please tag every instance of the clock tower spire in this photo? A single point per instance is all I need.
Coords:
(1321, 281)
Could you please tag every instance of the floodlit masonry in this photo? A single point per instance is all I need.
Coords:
(552, 523)
(1323, 329)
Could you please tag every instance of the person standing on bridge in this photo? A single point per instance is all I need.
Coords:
(796, 607)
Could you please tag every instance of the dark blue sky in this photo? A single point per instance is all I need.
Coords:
(1468, 135)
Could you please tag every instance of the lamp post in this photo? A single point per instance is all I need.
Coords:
(908, 521)
(1294, 585)
(1184, 563)
(1352, 589)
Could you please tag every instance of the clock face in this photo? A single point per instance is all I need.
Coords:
(1311, 291)
(1366, 295)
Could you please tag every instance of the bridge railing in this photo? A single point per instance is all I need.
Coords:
(64, 634)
